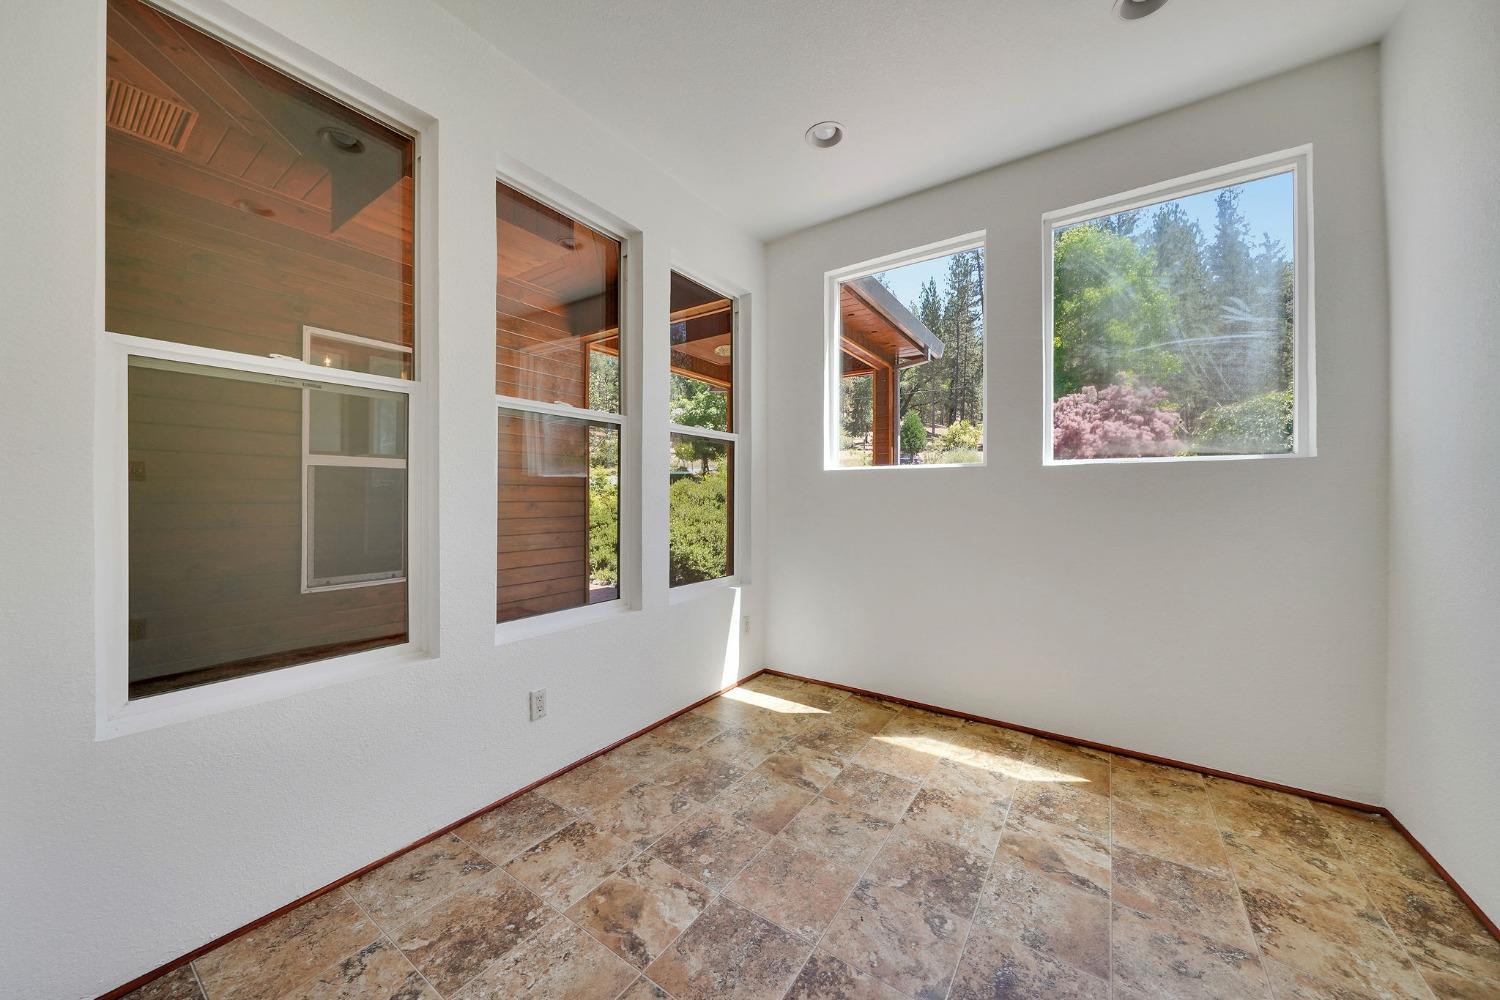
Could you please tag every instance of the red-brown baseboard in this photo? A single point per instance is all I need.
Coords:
(1169, 762)
(177, 963)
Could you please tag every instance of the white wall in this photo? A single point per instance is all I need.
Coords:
(1230, 614)
(122, 854)
(1441, 85)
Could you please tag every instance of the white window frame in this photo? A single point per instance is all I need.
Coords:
(833, 335)
(626, 422)
(739, 373)
(1297, 161)
(311, 459)
(115, 713)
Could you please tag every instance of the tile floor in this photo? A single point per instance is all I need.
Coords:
(790, 840)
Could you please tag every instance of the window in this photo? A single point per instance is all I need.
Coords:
(558, 390)
(354, 457)
(248, 218)
(1178, 319)
(907, 359)
(700, 514)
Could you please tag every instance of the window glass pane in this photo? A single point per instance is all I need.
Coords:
(333, 351)
(557, 307)
(702, 356)
(911, 358)
(1174, 327)
(217, 533)
(700, 509)
(357, 423)
(243, 206)
(356, 524)
(559, 514)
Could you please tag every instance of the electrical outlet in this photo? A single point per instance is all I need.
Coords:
(746, 625)
(538, 703)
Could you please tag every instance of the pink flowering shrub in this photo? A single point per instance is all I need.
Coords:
(1114, 422)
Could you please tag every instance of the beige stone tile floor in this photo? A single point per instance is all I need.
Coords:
(790, 840)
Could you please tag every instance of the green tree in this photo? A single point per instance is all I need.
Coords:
(963, 324)
(696, 403)
(604, 382)
(913, 434)
(924, 387)
(1110, 313)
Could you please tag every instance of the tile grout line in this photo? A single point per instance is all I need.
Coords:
(1109, 959)
(1354, 873)
(202, 990)
(1239, 895)
(720, 894)
(385, 934)
(717, 894)
(861, 877)
(579, 816)
(988, 873)
(714, 894)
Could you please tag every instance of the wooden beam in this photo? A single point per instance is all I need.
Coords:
(859, 349)
(883, 392)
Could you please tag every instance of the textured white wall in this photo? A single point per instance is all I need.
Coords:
(1441, 85)
(1230, 614)
(116, 856)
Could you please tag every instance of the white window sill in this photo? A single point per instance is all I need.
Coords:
(144, 714)
(890, 468)
(693, 591)
(558, 621)
(1171, 459)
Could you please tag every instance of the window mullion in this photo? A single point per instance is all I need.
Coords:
(275, 370)
(558, 410)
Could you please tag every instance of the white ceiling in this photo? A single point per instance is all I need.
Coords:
(719, 92)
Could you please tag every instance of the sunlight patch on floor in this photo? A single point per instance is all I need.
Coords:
(771, 703)
(982, 760)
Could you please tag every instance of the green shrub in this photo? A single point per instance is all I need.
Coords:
(698, 528)
(604, 526)
(913, 434)
(961, 435)
(1259, 425)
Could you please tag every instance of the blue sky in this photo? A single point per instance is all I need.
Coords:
(1267, 204)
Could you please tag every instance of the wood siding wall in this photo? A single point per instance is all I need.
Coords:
(542, 521)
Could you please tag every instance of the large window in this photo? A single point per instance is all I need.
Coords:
(703, 435)
(558, 389)
(259, 302)
(1178, 320)
(907, 359)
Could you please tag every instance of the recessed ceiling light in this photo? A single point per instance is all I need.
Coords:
(825, 134)
(340, 140)
(1134, 10)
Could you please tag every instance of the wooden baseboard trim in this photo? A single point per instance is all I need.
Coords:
(1183, 765)
(1458, 890)
(204, 949)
